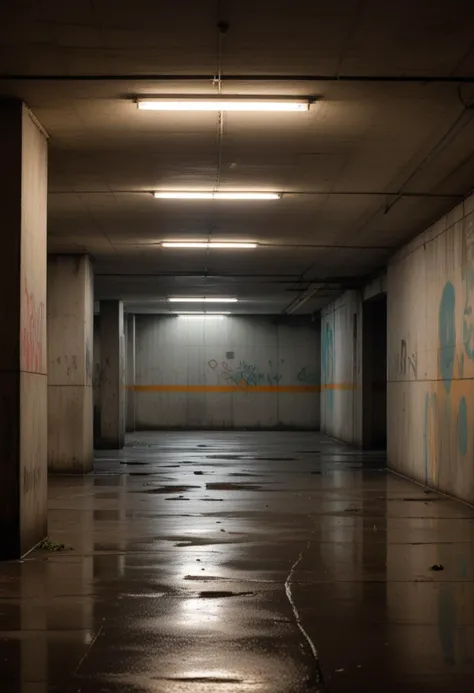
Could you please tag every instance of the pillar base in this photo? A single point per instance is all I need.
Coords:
(70, 421)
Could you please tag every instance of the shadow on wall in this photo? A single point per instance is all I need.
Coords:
(96, 380)
(327, 367)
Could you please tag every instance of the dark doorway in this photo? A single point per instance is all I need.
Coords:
(374, 373)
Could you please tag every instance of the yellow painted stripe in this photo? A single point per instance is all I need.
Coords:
(339, 386)
(240, 388)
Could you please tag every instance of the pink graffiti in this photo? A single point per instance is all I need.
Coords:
(31, 343)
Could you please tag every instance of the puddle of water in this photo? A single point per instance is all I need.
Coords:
(424, 499)
(222, 594)
(198, 679)
(243, 474)
(250, 457)
(170, 489)
(228, 486)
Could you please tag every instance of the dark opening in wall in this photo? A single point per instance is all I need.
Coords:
(374, 373)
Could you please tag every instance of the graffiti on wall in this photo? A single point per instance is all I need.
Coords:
(31, 341)
(246, 375)
(407, 363)
(446, 405)
(308, 375)
(243, 376)
(447, 334)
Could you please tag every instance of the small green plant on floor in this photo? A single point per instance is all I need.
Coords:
(49, 545)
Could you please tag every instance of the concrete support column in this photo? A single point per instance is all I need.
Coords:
(70, 344)
(23, 365)
(112, 375)
(130, 418)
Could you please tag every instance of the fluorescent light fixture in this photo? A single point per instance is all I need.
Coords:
(229, 103)
(209, 195)
(203, 316)
(203, 300)
(208, 244)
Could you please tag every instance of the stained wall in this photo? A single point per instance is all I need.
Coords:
(239, 372)
(431, 355)
(341, 370)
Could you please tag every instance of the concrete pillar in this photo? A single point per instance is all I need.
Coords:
(70, 344)
(112, 375)
(23, 366)
(130, 373)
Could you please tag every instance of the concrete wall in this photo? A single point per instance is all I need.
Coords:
(341, 372)
(130, 374)
(23, 366)
(70, 363)
(431, 355)
(241, 372)
(112, 375)
(96, 379)
(33, 338)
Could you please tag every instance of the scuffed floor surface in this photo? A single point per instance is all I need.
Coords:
(243, 562)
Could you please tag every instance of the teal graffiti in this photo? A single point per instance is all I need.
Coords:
(462, 426)
(245, 374)
(447, 334)
(248, 373)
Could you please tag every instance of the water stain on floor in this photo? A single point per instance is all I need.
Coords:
(250, 457)
(222, 594)
(170, 489)
(198, 679)
(229, 486)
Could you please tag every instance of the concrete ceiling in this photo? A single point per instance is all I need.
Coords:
(386, 149)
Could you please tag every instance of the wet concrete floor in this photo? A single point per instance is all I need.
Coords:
(246, 562)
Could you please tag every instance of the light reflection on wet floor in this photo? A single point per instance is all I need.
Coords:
(182, 546)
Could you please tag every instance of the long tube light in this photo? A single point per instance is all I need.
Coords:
(208, 299)
(203, 316)
(209, 244)
(228, 103)
(209, 195)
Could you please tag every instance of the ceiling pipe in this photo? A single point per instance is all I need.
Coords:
(301, 300)
(407, 79)
(341, 282)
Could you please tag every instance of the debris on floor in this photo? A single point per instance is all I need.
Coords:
(53, 546)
